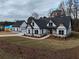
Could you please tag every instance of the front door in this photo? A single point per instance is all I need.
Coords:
(50, 31)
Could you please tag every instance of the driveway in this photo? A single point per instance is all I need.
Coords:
(8, 35)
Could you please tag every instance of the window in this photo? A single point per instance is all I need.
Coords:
(50, 24)
(42, 31)
(36, 31)
(33, 24)
(61, 32)
(28, 31)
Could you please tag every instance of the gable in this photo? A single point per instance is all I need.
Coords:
(65, 20)
(61, 27)
(35, 24)
(23, 24)
(29, 27)
(18, 23)
(53, 24)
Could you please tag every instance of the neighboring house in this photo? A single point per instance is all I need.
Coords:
(19, 26)
(57, 13)
(6, 26)
(58, 26)
(1, 26)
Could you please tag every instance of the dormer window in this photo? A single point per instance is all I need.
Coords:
(50, 24)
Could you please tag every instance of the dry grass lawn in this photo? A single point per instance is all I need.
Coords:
(4, 55)
(50, 43)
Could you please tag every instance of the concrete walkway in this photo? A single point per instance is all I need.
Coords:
(9, 35)
(36, 38)
(21, 35)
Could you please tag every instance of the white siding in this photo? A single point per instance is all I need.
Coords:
(49, 22)
(53, 24)
(54, 32)
(16, 29)
(62, 28)
(39, 32)
(29, 28)
(44, 31)
(35, 27)
(23, 27)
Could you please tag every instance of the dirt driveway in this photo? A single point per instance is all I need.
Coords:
(4, 33)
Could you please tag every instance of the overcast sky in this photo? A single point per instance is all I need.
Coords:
(24, 8)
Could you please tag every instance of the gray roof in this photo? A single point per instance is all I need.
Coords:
(42, 22)
(65, 20)
(18, 23)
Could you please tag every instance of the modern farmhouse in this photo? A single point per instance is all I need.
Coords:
(59, 26)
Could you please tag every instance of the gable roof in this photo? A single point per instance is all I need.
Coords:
(30, 26)
(18, 23)
(65, 20)
(30, 20)
(42, 22)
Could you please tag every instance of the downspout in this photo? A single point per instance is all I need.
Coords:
(32, 32)
(40, 32)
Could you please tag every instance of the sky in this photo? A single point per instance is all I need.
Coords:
(25, 8)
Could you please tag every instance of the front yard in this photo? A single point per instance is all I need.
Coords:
(50, 43)
(5, 55)
(51, 48)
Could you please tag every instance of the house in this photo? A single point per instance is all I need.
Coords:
(1, 26)
(19, 26)
(57, 13)
(36, 27)
(59, 26)
(6, 26)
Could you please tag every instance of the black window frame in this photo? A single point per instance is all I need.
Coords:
(50, 24)
(28, 31)
(33, 23)
(61, 32)
(36, 31)
(42, 31)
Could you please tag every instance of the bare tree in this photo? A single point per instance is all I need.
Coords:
(62, 7)
(76, 4)
(50, 12)
(72, 8)
(34, 14)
